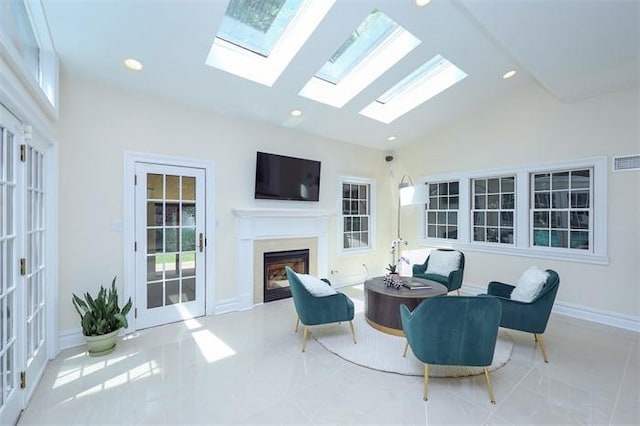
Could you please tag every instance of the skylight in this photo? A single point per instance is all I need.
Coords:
(257, 26)
(257, 39)
(374, 47)
(361, 43)
(432, 78)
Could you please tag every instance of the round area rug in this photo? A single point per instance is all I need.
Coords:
(383, 352)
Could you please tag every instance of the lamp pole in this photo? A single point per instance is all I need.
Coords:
(405, 182)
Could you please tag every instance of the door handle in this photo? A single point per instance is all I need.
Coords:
(201, 242)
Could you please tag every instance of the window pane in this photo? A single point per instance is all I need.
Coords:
(453, 188)
(347, 224)
(443, 203)
(560, 180)
(442, 231)
(171, 243)
(188, 239)
(559, 239)
(507, 184)
(560, 200)
(480, 202)
(345, 190)
(492, 218)
(442, 218)
(493, 186)
(559, 220)
(492, 235)
(354, 192)
(154, 295)
(173, 292)
(542, 182)
(154, 214)
(154, 268)
(453, 203)
(188, 215)
(188, 188)
(506, 219)
(155, 188)
(478, 218)
(173, 187)
(188, 290)
(508, 202)
(542, 200)
(433, 189)
(345, 207)
(541, 238)
(493, 201)
(431, 217)
(172, 214)
(480, 186)
(443, 189)
(154, 240)
(433, 203)
(364, 237)
(506, 236)
(452, 232)
(540, 219)
(580, 240)
(363, 192)
(362, 207)
(171, 262)
(431, 231)
(356, 224)
(579, 199)
(364, 223)
(452, 218)
(580, 220)
(580, 179)
(478, 233)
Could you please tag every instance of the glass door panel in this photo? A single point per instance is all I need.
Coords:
(169, 286)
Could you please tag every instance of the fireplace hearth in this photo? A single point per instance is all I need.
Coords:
(276, 284)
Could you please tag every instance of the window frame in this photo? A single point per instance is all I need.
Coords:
(448, 182)
(499, 210)
(523, 245)
(356, 180)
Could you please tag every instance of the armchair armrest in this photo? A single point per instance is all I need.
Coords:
(499, 289)
(419, 268)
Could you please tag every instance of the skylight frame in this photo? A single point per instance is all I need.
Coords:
(389, 52)
(266, 70)
(427, 81)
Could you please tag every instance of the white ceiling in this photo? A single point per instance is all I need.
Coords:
(575, 49)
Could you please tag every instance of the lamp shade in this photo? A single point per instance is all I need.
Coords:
(406, 195)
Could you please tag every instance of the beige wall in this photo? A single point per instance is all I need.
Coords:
(530, 126)
(98, 123)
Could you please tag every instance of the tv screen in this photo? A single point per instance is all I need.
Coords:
(286, 178)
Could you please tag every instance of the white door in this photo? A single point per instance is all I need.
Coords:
(10, 397)
(23, 339)
(170, 244)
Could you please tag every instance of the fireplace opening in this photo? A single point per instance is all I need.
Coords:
(276, 284)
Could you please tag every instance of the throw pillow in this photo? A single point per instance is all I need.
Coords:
(443, 262)
(316, 286)
(529, 284)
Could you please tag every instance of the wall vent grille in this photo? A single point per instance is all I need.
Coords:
(626, 163)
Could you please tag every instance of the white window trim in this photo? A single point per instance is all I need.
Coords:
(340, 218)
(597, 254)
(515, 213)
(45, 89)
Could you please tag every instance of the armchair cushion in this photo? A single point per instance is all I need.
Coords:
(529, 284)
(316, 286)
(443, 262)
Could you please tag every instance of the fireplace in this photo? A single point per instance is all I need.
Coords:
(276, 284)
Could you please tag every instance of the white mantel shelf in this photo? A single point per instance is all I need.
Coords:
(282, 213)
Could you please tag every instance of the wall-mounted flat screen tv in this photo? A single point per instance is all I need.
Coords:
(279, 177)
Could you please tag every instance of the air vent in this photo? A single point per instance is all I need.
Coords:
(626, 163)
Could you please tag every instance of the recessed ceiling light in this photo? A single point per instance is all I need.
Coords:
(133, 64)
(509, 74)
(421, 3)
(295, 113)
(391, 138)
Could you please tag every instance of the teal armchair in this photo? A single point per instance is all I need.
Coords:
(453, 281)
(453, 331)
(314, 310)
(530, 317)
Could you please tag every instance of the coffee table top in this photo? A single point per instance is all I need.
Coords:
(377, 285)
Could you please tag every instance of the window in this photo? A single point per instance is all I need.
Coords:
(552, 210)
(493, 209)
(357, 228)
(442, 210)
(561, 209)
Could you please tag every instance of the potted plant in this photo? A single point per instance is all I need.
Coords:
(101, 319)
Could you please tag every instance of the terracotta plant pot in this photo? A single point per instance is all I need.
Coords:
(101, 345)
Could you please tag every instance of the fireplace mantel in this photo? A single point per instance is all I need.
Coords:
(271, 224)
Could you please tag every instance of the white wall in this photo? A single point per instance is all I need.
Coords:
(530, 126)
(98, 123)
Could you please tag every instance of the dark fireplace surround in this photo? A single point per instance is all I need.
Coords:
(276, 284)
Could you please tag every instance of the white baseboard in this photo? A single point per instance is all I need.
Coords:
(226, 305)
(614, 319)
(338, 282)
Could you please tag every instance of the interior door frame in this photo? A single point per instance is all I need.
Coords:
(130, 160)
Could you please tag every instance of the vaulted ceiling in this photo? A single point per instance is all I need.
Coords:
(574, 49)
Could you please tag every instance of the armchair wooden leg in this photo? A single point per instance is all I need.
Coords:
(486, 375)
(406, 346)
(353, 333)
(426, 381)
(297, 323)
(304, 338)
(540, 340)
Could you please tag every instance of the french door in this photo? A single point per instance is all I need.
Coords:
(170, 243)
(23, 338)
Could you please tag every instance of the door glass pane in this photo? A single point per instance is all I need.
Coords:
(154, 295)
(173, 187)
(188, 239)
(173, 214)
(188, 188)
(154, 268)
(173, 292)
(188, 289)
(154, 240)
(171, 263)
(188, 214)
(155, 187)
(154, 214)
(188, 265)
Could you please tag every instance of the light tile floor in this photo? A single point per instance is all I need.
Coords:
(246, 367)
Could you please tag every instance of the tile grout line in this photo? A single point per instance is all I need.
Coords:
(624, 373)
(513, 389)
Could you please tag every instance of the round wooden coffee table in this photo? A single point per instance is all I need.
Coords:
(382, 303)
